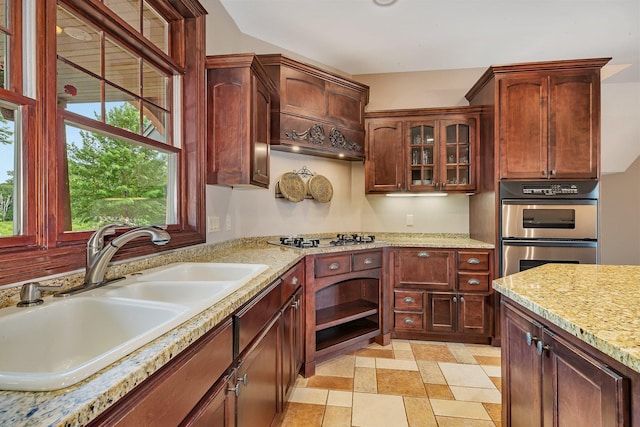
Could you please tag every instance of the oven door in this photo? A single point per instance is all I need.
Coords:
(527, 219)
(520, 255)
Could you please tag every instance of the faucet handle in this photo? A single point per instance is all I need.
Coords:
(96, 241)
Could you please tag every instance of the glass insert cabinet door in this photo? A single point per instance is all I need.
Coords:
(423, 155)
(440, 154)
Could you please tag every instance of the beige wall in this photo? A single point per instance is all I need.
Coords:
(620, 216)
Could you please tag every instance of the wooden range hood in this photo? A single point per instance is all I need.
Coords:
(316, 112)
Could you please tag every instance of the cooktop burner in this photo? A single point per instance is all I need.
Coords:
(317, 242)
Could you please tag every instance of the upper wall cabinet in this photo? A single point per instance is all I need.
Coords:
(547, 123)
(316, 112)
(239, 97)
(422, 150)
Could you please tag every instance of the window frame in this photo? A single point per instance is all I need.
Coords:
(46, 249)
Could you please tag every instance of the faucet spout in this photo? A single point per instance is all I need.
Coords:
(99, 256)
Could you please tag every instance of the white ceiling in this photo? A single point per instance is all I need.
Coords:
(360, 37)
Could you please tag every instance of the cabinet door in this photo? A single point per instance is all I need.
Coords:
(441, 312)
(473, 314)
(457, 141)
(292, 342)
(257, 402)
(521, 370)
(579, 390)
(426, 268)
(217, 409)
(523, 127)
(384, 168)
(260, 128)
(574, 118)
(424, 156)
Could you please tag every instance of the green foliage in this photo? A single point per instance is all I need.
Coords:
(111, 179)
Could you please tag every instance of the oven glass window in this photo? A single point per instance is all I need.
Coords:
(549, 218)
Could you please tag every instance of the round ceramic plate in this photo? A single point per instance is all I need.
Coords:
(320, 188)
(292, 187)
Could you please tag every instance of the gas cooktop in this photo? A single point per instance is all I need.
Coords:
(323, 242)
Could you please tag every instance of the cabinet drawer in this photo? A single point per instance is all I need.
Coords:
(408, 321)
(250, 320)
(332, 264)
(474, 261)
(408, 300)
(367, 260)
(292, 280)
(473, 282)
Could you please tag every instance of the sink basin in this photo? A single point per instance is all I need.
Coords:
(179, 293)
(62, 342)
(203, 272)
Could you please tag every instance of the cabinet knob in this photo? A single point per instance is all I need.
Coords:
(409, 300)
(473, 261)
(334, 266)
(243, 379)
(473, 281)
(423, 254)
(295, 304)
(544, 172)
(530, 339)
(368, 260)
(235, 390)
(462, 299)
(398, 185)
(455, 299)
(553, 171)
(541, 348)
(408, 321)
(294, 280)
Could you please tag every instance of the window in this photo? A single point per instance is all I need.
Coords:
(109, 144)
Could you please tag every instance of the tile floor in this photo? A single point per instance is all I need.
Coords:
(407, 383)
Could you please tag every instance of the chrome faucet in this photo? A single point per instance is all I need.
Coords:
(99, 255)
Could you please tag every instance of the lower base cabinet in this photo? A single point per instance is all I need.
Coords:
(548, 381)
(238, 374)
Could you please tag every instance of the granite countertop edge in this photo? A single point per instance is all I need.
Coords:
(79, 404)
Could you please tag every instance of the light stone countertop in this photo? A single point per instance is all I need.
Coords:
(599, 304)
(80, 403)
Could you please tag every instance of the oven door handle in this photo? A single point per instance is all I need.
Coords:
(551, 243)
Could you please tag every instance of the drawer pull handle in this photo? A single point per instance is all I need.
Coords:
(530, 339)
(244, 379)
(473, 281)
(409, 300)
(423, 254)
(294, 281)
(334, 266)
(473, 261)
(295, 304)
(368, 260)
(235, 390)
(408, 321)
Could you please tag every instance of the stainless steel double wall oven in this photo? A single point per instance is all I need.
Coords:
(543, 222)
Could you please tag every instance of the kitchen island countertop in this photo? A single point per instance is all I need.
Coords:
(80, 403)
(599, 304)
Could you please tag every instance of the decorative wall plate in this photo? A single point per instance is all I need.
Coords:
(292, 187)
(320, 188)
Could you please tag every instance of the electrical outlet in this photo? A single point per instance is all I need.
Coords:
(213, 224)
(227, 224)
(409, 220)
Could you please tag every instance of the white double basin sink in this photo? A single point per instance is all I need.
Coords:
(66, 340)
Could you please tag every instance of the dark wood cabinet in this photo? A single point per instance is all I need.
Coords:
(239, 96)
(316, 112)
(292, 328)
(549, 125)
(343, 300)
(384, 164)
(422, 150)
(549, 381)
(218, 407)
(441, 294)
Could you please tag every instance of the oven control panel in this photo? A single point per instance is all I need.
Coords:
(550, 190)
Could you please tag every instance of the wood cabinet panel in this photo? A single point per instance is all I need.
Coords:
(239, 94)
(473, 260)
(409, 322)
(252, 318)
(384, 164)
(473, 282)
(366, 260)
(473, 314)
(217, 408)
(428, 268)
(408, 300)
(332, 264)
